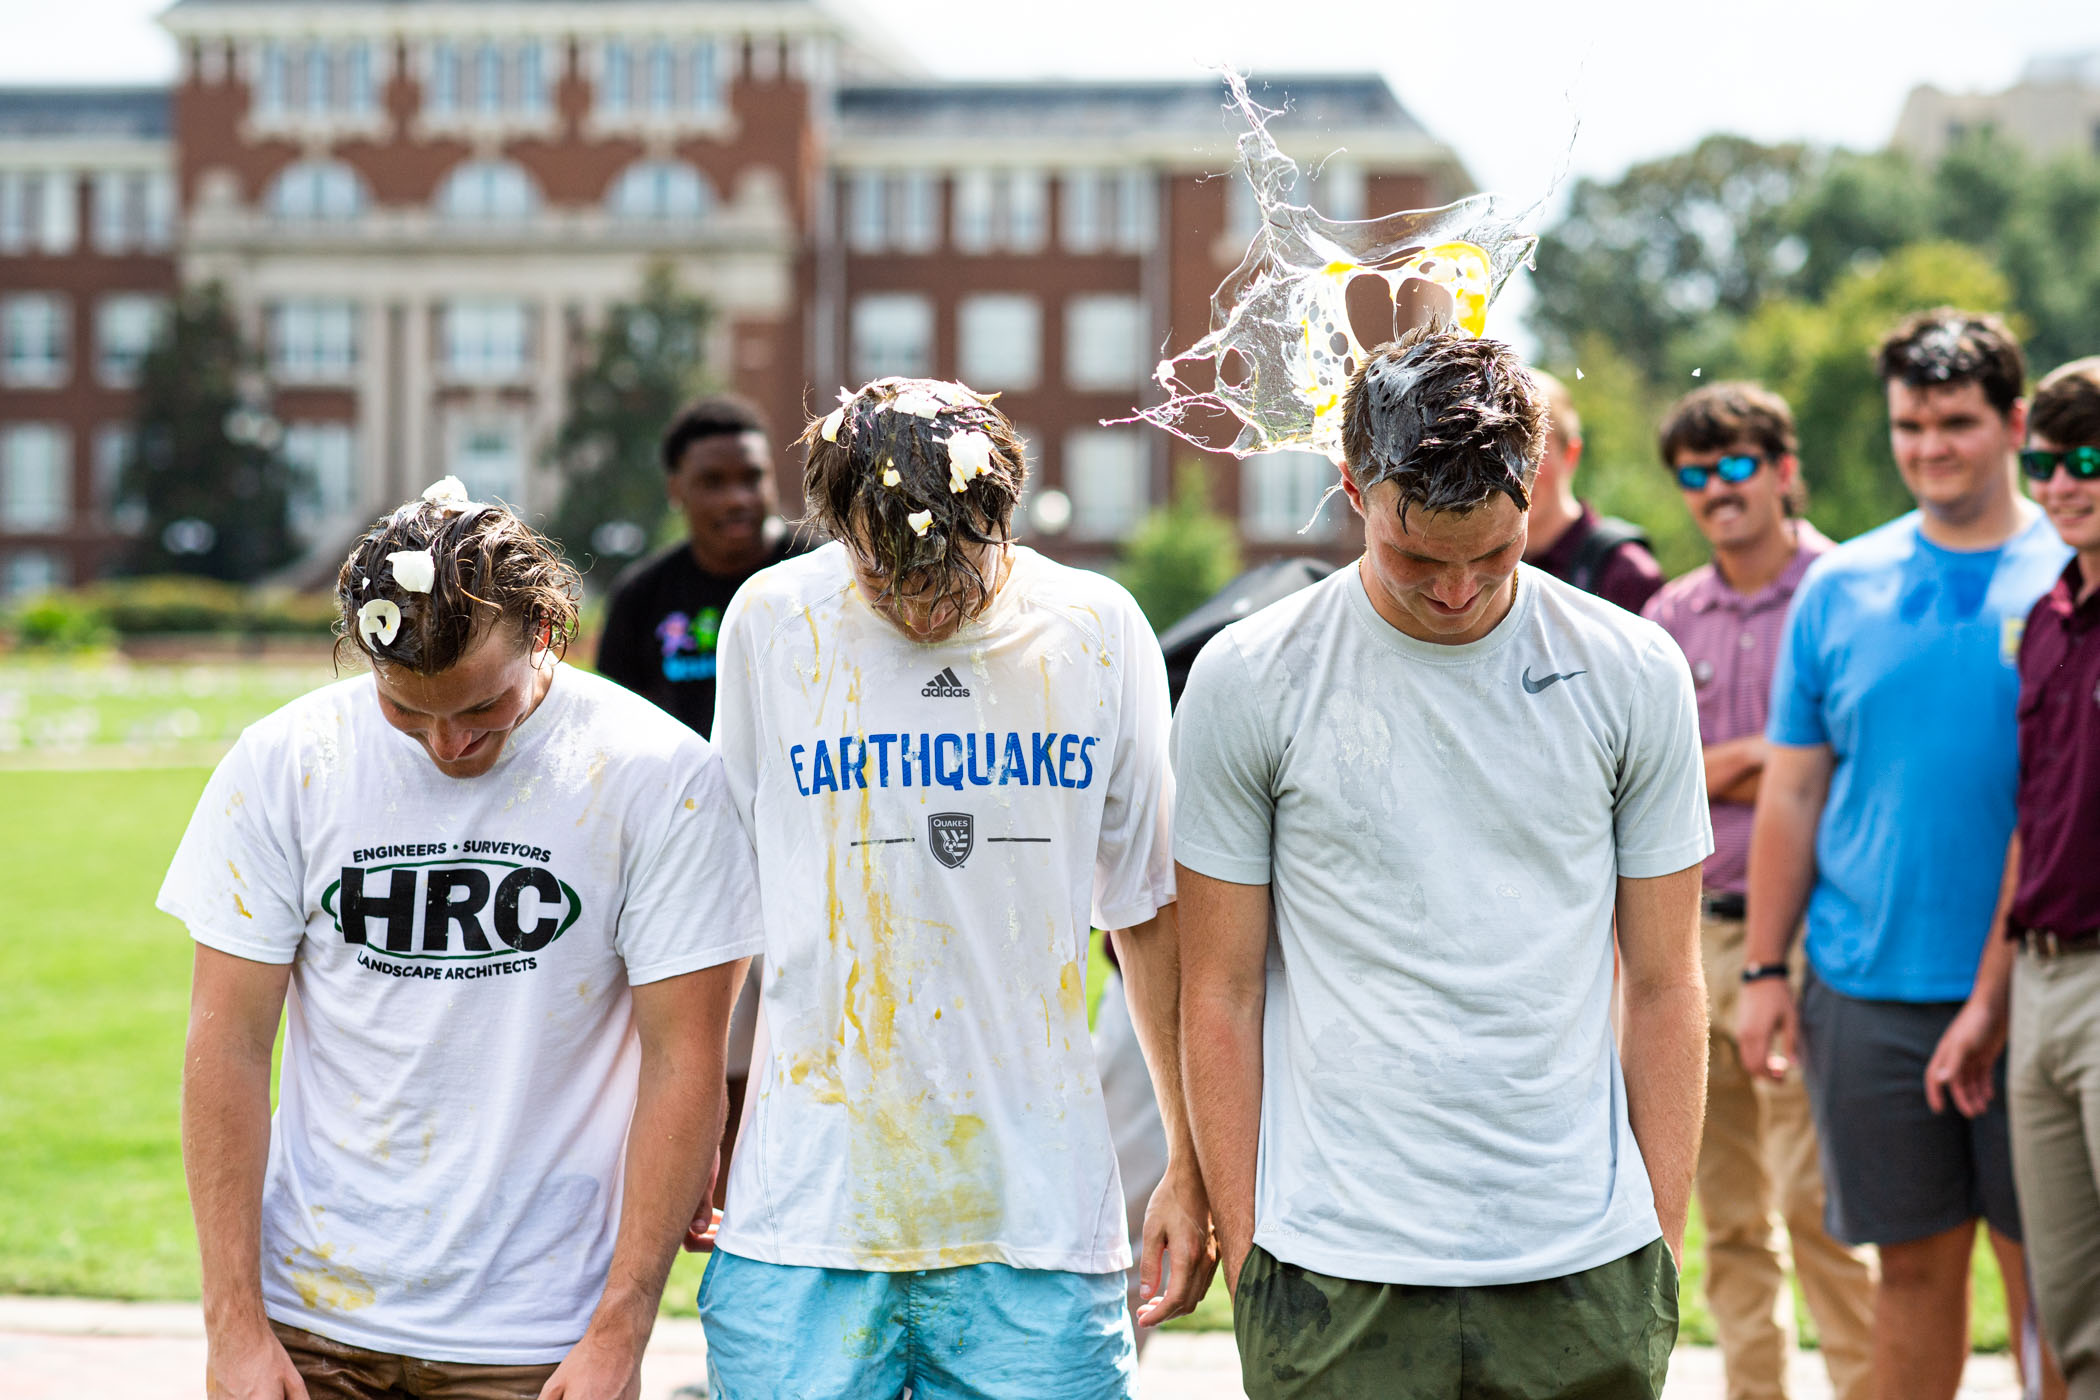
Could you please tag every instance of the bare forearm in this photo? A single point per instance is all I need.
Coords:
(1994, 969)
(1732, 762)
(1782, 873)
(1665, 1067)
(1150, 956)
(671, 1146)
(1222, 1069)
(225, 1149)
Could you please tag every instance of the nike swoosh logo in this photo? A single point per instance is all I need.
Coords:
(1535, 686)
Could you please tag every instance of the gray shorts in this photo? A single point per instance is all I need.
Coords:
(1893, 1170)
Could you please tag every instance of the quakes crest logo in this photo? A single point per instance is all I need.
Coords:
(458, 906)
(952, 835)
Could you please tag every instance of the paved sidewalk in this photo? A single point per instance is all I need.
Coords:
(80, 1349)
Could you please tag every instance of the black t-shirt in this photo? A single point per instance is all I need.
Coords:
(660, 628)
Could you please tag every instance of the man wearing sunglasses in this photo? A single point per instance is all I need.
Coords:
(1884, 809)
(2041, 968)
(1731, 449)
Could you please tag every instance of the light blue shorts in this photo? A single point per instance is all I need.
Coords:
(776, 1331)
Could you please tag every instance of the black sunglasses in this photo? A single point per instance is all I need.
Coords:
(1693, 476)
(2083, 463)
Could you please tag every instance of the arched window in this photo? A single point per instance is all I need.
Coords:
(660, 191)
(484, 190)
(316, 190)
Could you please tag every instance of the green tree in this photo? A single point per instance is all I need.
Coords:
(1820, 357)
(646, 362)
(1673, 243)
(207, 483)
(1620, 473)
(1181, 553)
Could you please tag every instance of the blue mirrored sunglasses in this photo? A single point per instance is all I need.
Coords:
(1693, 476)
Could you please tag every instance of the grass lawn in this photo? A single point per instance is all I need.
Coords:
(92, 1009)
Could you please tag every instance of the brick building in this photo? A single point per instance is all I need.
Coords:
(421, 209)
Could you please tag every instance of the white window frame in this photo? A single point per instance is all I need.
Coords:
(974, 221)
(114, 444)
(126, 326)
(915, 211)
(1105, 341)
(999, 340)
(316, 191)
(1108, 477)
(487, 192)
(460, 441)
(659, 192)
(325, 452)
(38, 211)
(36, 482)
(487, 340)
(615, 87)
(33, 571)
(313, 340)
(892, 335)
(36, 340)
(867, 211)
(1282, 493)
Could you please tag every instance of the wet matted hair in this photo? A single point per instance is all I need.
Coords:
(489, 568)
(1448, 418)
(915, 476)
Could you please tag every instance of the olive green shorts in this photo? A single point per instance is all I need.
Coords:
(1602, 1334)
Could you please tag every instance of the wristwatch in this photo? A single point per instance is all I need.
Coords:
(1758, 972)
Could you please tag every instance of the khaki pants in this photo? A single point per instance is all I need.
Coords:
(336, 1370)
(2053, 1088)
(1759, 1152)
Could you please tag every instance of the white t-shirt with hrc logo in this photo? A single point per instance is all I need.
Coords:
(934, 824)
(460, 1058)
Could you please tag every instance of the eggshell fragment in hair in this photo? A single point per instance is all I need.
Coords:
(414, 569)
(379, 621)
(920, 521)
(969, 455)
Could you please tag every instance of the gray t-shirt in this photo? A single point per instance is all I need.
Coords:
(1440, 828)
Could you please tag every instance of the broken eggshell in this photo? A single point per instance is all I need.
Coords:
(414, 569)
(379, 622)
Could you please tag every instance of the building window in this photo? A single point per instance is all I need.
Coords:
(898, 210)
(317, 191)
(892, 334)
(1000, 340)
(114, 443)
(489, 460)
(532, 79)
(488, 79)
(660, 191)
(360, 95)
(444, 77)
(1108, 210)
(1108, 478)
(319, 92)
(32, 571)
(867, 217)
(1338, 190)
(1242, 210)
(706, 94)
(133, 210)
(482, 191)
(34, 465)
(1281, 491)
(126, 327)
(485, 340)
(616, 80)
(1105, 342)
(37, 212)
(976, 194)
(33, 340)
(917, 211)
(313, 341)
(325, 456)
(662, 77)
(270, 84)
(1027, 210)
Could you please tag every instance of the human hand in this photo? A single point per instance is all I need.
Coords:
(700, 1235)
(1960, 1068)
(252, 1366)
(1177, 1243)
(1767, 1027)
(603, 1366)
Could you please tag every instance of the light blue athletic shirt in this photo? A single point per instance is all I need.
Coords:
(1900, 656)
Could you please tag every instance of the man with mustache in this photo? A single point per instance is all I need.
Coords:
(1731, 449)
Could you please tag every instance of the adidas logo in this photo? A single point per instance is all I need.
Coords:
(946, 686)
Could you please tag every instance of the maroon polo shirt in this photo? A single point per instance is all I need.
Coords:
(1628, 576)
(2060, 762)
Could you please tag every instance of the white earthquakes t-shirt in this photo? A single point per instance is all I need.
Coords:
(1441, 828)
(934, 825)
(460, 1059)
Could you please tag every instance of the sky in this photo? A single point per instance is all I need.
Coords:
(1523, 90)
